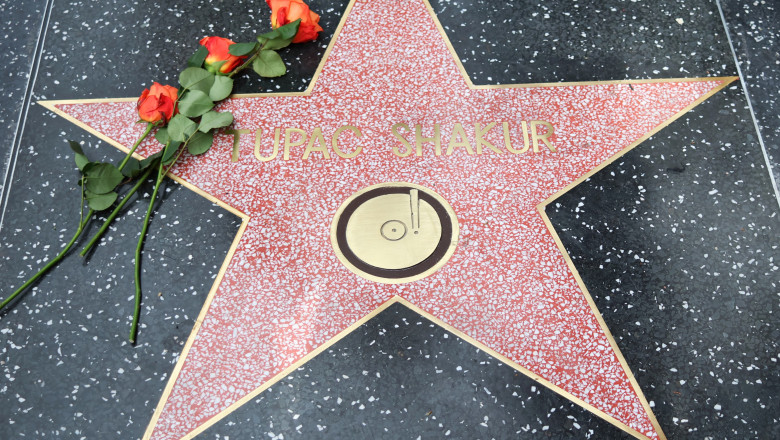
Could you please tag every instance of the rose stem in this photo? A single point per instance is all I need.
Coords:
(137, 312)
(149, 127)
(51, 263)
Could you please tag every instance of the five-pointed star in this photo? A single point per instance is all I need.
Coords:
(283, 295)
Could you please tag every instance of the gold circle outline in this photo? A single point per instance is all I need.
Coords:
(444, 259)
(391, 239)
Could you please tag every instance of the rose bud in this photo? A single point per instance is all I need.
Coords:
(287, 11)
(157, 104)
(218, 51)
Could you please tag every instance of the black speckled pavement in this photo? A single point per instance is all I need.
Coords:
(677, 241)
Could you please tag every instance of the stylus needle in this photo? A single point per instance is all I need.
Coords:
(414, 201)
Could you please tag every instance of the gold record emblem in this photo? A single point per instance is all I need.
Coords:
(394, 232)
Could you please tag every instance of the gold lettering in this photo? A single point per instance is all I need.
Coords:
(397, 151)
(258, 138)
(507, 140)
(526, 141)
(316, 136)
(463, 142)
(419, 139)
(480, 137)
(288, 142)
(543, 137)
(335, 141)
(540, 132)
(236, 139)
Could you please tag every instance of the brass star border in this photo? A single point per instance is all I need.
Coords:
(245, 218)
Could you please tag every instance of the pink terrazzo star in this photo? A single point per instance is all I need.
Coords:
(508, 286)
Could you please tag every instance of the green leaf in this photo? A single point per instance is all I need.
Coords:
(269, 64)
(204, 85)
(169, 153)
(221, 89)
(212, 120)
(151, 160)
(197, 59)
(162, 135)
(103, 178)
(76, 147)
(81, 161)
(193, 75)
(289, 30)
(181, 127)
(277, 44)
(200, 143)
(241, 49)
(272, 35)
(194, 103)
(81, 158)
(99, 202)
(132, 168)
(279, 38)
(88, 167)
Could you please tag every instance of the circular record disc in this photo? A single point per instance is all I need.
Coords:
(394, 232)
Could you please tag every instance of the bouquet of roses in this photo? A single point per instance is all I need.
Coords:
(182, 119)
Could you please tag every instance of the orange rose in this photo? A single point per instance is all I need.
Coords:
(218, 51)
(287, 11)
(157, 104)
